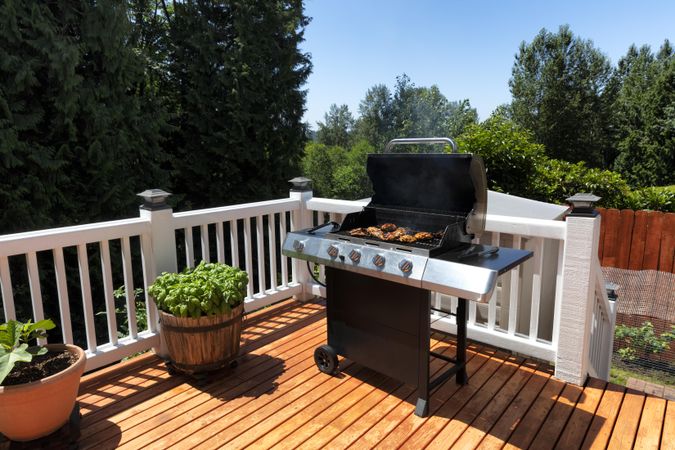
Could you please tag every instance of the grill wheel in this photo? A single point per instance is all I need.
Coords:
(326, 359)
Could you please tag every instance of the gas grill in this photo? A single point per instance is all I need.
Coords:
(378, 287)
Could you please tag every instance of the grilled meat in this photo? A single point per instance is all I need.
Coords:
(375, 232)
(397, 233)
(390, 232)
(388, 227)
(423, 236)
(359, 232)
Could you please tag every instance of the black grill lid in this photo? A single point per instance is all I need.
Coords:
(440, 183)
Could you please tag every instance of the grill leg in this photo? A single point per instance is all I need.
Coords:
(461, 341)
(424, 324)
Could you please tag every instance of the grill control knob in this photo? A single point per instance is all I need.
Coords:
(405, 265)
(355, 256)
(333, 251)
(378, 260)
(298, 245)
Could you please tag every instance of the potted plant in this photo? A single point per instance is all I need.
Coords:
(38, 384)
(200, 313)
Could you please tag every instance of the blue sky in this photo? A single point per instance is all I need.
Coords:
(466, 48)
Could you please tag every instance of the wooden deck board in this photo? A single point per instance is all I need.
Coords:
(575, 430)
(651, 424)
(276, 398)
(627, 420)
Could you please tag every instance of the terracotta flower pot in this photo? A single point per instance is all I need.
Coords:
(34, 410)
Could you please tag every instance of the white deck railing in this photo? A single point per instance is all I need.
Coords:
(524, 316)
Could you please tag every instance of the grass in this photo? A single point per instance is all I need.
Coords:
(622, 371)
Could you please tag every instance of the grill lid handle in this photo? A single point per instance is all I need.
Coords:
(414, 141)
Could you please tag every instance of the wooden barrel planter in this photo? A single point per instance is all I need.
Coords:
(204, 344)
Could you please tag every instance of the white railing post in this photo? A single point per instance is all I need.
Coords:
(578, 291)
(158, 249)
(301, 189)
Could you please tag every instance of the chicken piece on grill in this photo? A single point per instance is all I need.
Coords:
(359, 232)
(423, 236)
(396, 234)
(375, 232)
(407, 238)
(388, 227)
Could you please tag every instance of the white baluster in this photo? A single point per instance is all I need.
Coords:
(260, 240)
(248, 254)
(284, 259)
(492, 305)
(106, 271)
(558, 293)
(130, 294)
(514, 291)
(149, 271)
(189, 247)
(85, 287)
(35, 291)
(234, 243)
(271, 229)
(6, 290)
(204, 234)
(536, 287)
(220, 242)
(62, 290)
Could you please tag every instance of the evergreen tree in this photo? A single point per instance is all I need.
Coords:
(337, 128)
(79, 136)
(560, 88)
(235, 75)
(410, 111)
(644, 116)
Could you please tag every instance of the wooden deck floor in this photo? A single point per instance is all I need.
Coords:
(277, 398)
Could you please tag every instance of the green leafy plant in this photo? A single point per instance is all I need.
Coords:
(14, 339)
(642, 340)
(120, 296)
(208, 289)
(655, 198)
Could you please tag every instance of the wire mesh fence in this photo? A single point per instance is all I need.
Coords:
(644, 340)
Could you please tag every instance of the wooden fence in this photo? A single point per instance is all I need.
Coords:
(637, 240)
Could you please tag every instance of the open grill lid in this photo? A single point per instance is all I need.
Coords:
(447, 184)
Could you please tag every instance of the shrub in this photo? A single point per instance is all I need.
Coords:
(655, 198)
(641, 341)
(511, 156)
(338, 172)
(555, 180)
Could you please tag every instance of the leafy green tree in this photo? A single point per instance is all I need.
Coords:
(236, 77)
(517, 165)
(337, 126)
(376, 121)
(79, 133)
(426, 112)
(555, 180)
(562, 92)
(338, 172)
(410, 111)
(644, 116)
(510, 153)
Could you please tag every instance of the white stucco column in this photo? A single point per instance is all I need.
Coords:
(301, 189)
(158, 250)
(576, 309)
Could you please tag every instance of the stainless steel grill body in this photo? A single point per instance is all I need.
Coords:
(378, 291)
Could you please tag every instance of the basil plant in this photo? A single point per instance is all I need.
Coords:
(208, 289)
